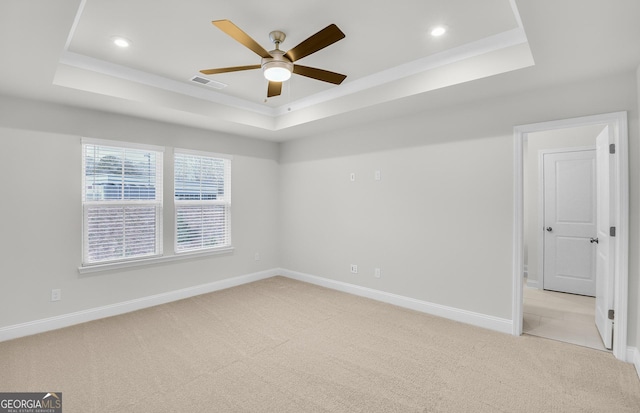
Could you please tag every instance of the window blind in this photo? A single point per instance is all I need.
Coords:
(122, 202)
(202, 201)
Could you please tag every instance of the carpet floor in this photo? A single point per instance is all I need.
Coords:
(280, 345)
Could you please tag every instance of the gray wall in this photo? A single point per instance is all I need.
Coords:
(40, 170)
(439, 224)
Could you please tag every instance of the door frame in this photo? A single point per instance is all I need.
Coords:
(541, 203)
(618, 123)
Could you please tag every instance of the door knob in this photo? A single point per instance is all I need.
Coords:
(549, 229)
(592, 240)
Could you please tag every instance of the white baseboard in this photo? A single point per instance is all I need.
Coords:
(66, 320)
(481, 320)
(633, 356)
(468, 317)
(532, 284)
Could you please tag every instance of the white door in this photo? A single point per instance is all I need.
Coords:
(605, 253)
(569, 208)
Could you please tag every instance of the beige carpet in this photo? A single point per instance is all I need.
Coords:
(280, 345)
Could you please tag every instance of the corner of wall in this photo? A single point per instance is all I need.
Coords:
(633, 356)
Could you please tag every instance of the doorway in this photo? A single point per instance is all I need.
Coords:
(526, 251)
(560, 221)
(567, 223)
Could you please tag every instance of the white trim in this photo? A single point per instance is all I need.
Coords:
(518, 233)
(202, 153)
(534, 284)
(74, 26)
(619, 122)
(480, 320)
(66, 320)
(621, 287)
(516, 14)
(118, 71)
(121, 144)
(150, 261)
(633, 356)
(498, 41)
(495, 42)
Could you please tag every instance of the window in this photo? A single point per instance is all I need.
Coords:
(202, 201)
(121, 201)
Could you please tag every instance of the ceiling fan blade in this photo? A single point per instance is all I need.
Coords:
(319, 74)
(325, 37)
(229, 69)
(274, 89)
(240, 36)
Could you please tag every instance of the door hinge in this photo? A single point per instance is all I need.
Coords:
(611, 314)
(612, 148)
(612, 231)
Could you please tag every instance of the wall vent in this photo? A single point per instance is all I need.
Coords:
(208, 82)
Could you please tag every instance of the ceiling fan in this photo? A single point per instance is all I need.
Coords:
(277, 65)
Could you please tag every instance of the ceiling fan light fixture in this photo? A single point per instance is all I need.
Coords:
(277, 68)
(276, 71)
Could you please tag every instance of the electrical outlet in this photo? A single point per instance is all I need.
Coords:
(376, 272)
(354, 269)
(256, 256)
(353, 177)
(377, 176)
(56, 294)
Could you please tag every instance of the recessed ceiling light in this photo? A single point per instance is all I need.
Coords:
(438, 31)
(121, 41)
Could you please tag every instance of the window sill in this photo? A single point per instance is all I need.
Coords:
(150, 261)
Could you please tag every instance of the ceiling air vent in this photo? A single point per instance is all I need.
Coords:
(208, 82)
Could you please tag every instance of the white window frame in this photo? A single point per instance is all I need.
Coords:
(226, 202)
(157, 203)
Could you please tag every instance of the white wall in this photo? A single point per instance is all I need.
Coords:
(439, 223)
(40, 242)
(554, 139)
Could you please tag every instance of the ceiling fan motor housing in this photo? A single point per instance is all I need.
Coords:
(277, 62)
(277, 37)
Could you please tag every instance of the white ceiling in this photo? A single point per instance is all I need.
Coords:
(62, 52)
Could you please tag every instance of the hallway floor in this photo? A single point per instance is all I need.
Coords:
(563, 317)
